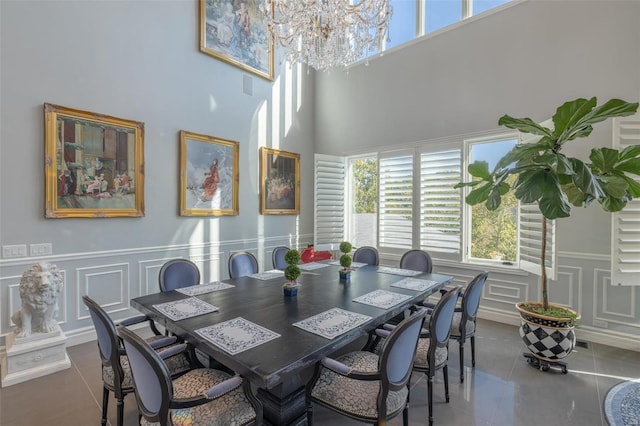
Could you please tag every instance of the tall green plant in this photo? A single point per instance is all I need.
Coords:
(554, 181)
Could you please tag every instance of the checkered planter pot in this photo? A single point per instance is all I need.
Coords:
(547, 343)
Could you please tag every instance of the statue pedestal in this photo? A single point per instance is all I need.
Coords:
(34, 356)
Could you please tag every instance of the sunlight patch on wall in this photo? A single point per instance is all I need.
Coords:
(262, 124)
(275, 114)
(213, 105)
(288, 99)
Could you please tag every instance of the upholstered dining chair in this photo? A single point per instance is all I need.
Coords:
(277, 257)
(241, 264)
(202, 396)
(464, 318)
(116, 374)
(367, 387)
(367, 254)
(416, 260)
(178, 273)
(433, 346)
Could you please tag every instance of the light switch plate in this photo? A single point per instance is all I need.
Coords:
(43, 249)
(17, 250)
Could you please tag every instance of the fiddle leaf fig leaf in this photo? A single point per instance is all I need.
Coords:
(569, 113)
(630, 152)
(612, 204)
(524, 125)
(531, 186)
(584, 179)
(574, 195)
(634, 187)
(615, 186)
(604, 159)
(494, 200)
(631, 165)
(554, 204)
(480, 169)
(479, 195)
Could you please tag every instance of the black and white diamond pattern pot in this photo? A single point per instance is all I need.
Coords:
(547, 338)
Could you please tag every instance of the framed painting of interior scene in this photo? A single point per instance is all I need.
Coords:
(279, 182)
(94, 164)
(209, 175)
(235, 31)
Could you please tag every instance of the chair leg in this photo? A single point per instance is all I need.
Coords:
(430, 397)
(105, 405)
(405, 412)
(461, 361)
(445, 373)
(473, 350)
(120, 412)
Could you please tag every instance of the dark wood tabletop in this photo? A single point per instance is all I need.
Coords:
(273, 363)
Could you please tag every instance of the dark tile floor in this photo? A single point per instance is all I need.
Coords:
(502, 390)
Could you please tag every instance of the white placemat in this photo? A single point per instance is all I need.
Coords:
(382, 298)
(268, 275)
(415, 284)
(237, 335)
(184, 308)
(354, 265)
(312, 266)
(398, 271)
(332, 323)
(196, 290)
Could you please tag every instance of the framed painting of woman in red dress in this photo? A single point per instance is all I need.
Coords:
(279, 182)
(209, 175)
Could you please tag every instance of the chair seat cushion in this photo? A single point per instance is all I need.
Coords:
(356, 397)
(422, 355)
(232, 408)
(455, 326)
(177, 364)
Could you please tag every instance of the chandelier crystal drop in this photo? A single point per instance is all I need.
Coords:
(328, 33)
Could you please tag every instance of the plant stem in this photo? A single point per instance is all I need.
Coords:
(543, 277)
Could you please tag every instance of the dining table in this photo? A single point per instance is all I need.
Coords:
(274, 341)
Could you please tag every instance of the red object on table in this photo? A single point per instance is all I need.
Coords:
(310, 255)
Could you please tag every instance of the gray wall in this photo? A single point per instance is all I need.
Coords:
(524, 60)
(136, 60)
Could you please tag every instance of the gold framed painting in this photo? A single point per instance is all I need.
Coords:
(236, 32)
(94, 164)
(279, 182)
(209, 175)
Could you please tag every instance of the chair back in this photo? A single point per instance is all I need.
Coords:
(367, 254)
(277, 257)
(440, 323)
(471, 299)
(178, 273)
(151, 378)
(108, 342)
(241, 264)
(416, 260)
(399, 352)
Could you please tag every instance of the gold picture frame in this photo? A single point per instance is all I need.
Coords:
(94, 164)
(236, 32)
(279, 182)
(209, 175)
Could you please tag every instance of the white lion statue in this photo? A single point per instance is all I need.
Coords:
(40, 287)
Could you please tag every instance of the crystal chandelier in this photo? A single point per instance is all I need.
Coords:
(328, 33)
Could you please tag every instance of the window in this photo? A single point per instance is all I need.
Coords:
(493, 234)
(440, 202)
(363, 197)
(329, 199)
(411, 19)
(396, 201)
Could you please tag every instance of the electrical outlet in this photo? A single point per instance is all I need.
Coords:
(17, 250)
(601, 323)
(43, 249)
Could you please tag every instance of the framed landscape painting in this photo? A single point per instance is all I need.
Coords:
(209, 175)
(279, 182)
(94, 164)
(235, 31)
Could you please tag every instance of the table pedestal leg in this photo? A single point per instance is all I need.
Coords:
(287, 410)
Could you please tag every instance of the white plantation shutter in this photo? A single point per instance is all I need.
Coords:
(329, 202)
(530, 231)
(440, 202)
(395, 201)
(625, 256)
